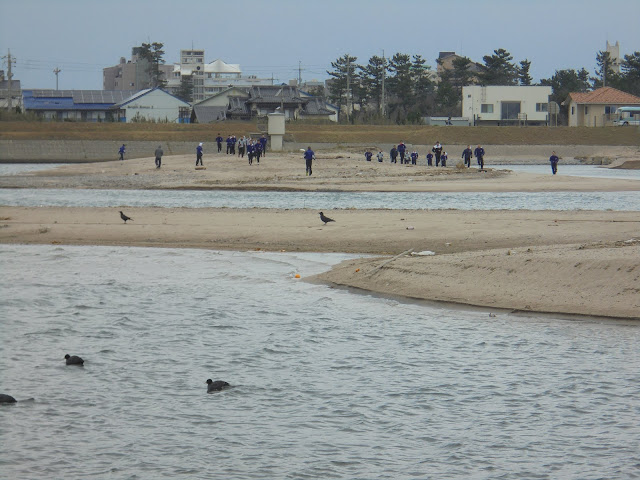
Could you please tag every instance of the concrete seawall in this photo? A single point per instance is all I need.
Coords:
(71, 151)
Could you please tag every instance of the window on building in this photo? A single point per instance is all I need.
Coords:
(573, 110)
(609, 109)
(586, 110)
(542, 107)
(510, 110)
(486, 108)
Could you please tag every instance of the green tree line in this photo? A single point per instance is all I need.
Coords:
(403, 88)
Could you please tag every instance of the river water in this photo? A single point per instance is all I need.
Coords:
(617, 201)
(326, 383)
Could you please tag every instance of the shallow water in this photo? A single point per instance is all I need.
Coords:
(326, 383)
(619, 201)
(591, 171)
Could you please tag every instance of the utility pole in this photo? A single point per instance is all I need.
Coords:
(299, 73)
(56, 71)
(348, 87)
(384, 70)
(10, 61)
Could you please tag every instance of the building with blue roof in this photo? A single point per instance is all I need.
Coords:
(73, 105)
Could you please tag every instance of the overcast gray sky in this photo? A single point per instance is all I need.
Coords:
(270, 37)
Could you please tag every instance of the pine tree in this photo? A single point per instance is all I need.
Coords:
(523, 72)
(498, 69)
(344, 67)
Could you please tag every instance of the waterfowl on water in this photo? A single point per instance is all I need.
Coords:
(73, 360)
(216, 386)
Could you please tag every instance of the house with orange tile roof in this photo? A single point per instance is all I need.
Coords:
(597, 108)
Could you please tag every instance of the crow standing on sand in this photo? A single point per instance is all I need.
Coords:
(124, 217)
(325, 219)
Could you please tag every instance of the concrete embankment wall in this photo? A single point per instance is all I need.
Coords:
(70, 151)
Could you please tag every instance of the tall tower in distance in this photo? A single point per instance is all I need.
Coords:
(614, 53)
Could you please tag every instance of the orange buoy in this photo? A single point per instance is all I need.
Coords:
(297, 275)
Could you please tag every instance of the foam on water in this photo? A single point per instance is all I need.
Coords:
(326, 383)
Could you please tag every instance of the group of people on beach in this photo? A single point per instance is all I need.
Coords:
(257, 148)
(437, 152)
(254, 148)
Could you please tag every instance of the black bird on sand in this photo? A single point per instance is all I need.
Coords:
(216, 386)
(325, 219)
(7, 398)
(73, 360)
(124, 217)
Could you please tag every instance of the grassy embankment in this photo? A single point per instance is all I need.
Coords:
(312, 133)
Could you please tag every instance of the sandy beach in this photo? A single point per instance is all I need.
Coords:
(578, 262)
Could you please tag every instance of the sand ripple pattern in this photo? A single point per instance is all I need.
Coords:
(326, 383)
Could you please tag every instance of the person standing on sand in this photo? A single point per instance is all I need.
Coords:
(401, 149)
(393, 154)
(443, 159)
(368, 156)
(479, 153)
(250, 149)
(242, 144)
(380, 156)
(159, 154)
(553, 159)
(309, 156)
(467, 153)
(263, 142)
(430, 159)
(199, 155)
(121, 152)
(437, 149)
(257, 151)
(219, 140)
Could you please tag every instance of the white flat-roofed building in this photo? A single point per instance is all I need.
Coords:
(506, 105)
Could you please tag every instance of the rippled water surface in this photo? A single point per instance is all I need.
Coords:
(619, 201)
(326, 383)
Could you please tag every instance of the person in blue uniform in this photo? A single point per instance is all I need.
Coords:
(414, 158)
(467, 153)
(263, 143)
(219, 141)
(257, 151)
(401, 149)
(309, 156)
(368, 156)
(250, 150)
(437, 149)
(430, 159)
(121, 152)
(229, 144)
(479, 154)
(199, 155)
(393, 154)
(443, 159)
(553, 159)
